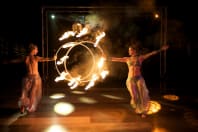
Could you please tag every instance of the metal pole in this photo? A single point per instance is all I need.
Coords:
(161, 38)
(165, 36)
(163, 57)
(43, 51)
(47, 44)
(161, 43)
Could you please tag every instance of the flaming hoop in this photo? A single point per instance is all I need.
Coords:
(80, 62)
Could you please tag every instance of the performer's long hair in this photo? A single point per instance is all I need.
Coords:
(31, 47)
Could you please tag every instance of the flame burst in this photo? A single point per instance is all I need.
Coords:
(81, 62)
(154, 107)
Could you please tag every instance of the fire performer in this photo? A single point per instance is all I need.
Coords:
(31, 83)
(135, 82)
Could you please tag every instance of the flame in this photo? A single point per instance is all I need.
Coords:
(104, 73)
(74, 82)
(67, 45)
(154, 107)
(92, 82)
(61, 77)
(77, 31)
(82, 32)
(62, 60)
(101, 62)
(98, 38)
(67, 35)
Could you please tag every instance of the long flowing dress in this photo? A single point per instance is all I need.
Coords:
(137, 87)
(31, 92)
(31, 86)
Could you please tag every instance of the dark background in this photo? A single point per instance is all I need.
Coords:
(21, 24)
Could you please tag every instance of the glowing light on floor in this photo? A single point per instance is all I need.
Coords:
(87, 100)
(171, 97)
(63, 108)
(78, 92)
(56, 128)
(160, 130)
(154, 107)
(57, 96)
(112, 96)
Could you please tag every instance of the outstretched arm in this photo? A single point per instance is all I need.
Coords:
(44, 59)
(117, 59)
(163, 48)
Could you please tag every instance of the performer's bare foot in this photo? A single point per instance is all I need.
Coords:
(22, 109)
(32, 109)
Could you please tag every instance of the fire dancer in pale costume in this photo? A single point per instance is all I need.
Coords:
(135, 82)
(32, 82)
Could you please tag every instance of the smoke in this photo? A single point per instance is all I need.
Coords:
(120, 24)
(146, 5)
(94, 20)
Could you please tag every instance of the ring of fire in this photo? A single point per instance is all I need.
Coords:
(81, 63)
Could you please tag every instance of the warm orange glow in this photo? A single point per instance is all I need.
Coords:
(74, 82)
(87, 100)
(61, 77)
(112, 97)
(154, 107)
(92, 81)
(67, 35)
(101, 62)
(98, 38)
(160, 130)
(78, 92)
(104, 73)
(156, 15)
(171, 97)
(57, 96)
(82, 32)
(56, 128)
(95, 71)
(63, 108)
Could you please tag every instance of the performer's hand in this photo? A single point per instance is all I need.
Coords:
(55, 57)
(104, 56)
